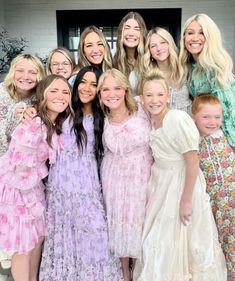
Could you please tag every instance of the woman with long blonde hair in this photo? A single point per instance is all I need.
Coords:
(208, 66)
(161, 53)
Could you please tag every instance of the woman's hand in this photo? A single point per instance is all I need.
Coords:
(29, 114)
(19, 110)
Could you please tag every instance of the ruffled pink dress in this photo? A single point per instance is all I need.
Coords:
(22, 198)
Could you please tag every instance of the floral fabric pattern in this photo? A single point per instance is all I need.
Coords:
(217, 161)
(124, 173)
(8, 121)
(22, 198)
(170, 250)
(76, 243)
(204, 82)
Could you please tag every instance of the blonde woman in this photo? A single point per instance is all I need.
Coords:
(208, 67)
(93, 49)
(60, 61)
(161, 53)
(16, 92)
(125, 168)
(131, 35)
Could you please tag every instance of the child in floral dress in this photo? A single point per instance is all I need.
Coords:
(217, 161)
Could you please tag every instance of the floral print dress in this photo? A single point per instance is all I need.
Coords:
(217, 161)
(205, 82)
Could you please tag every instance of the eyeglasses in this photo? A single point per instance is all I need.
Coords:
(64, 64)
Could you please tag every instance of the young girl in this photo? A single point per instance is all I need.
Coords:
(76, 244)
(217, 161)
(22, 168)
(125, 167)
(179, 238)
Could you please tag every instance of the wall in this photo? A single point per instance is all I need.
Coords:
(36, 19)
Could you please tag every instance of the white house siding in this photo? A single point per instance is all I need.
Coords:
(36, 19)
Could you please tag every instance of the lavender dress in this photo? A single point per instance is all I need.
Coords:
(76, 245)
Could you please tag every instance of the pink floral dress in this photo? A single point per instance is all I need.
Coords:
(22, 199)
(125, 171)
(217, 161)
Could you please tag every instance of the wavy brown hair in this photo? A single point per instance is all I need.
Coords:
(41, 107)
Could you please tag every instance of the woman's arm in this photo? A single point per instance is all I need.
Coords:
(192, 168)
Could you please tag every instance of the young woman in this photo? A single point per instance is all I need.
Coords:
(76, 244)
(93, 49)
(208, 67)
(22, 199)
(125, 167)
(161, 53)
(130, 48)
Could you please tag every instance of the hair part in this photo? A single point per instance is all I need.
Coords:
(82, 59)
(213, 56)
(120, 57)
(78, 128)
(150, 63)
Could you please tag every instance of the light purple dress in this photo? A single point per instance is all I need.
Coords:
(76, 245)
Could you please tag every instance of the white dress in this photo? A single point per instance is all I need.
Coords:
(172, 251)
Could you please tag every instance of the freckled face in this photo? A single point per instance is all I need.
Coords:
(208, 119)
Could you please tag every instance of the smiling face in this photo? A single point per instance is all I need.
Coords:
(57, 97)
(194, 39)
(113, 95)
(159, 48)
(94, 48)
(131, 33)
(155, 97)
(60, 65)
(25, 77)
(208, 119)
(87, 88)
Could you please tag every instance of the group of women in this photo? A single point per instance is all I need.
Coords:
(102, 182)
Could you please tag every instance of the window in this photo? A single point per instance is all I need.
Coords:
(69, 27)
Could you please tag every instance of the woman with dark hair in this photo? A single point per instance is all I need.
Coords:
(76, 245)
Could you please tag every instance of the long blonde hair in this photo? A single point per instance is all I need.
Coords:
(8, 81)
(149, 63)
(123, 82)
(82, 59)
(213, 56)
